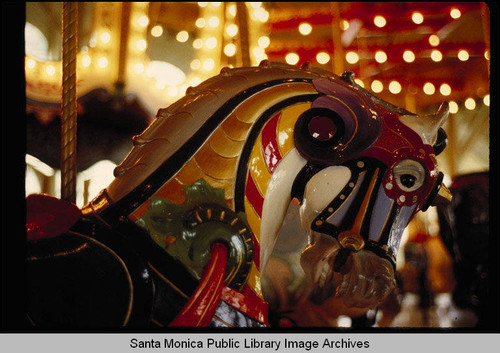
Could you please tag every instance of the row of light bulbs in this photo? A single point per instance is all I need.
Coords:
(230, 49)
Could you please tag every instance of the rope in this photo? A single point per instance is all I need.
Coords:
(69, 103)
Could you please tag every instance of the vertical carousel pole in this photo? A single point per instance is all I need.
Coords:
(122, 63)
(69, 103)
(241, 8)
(338, 51)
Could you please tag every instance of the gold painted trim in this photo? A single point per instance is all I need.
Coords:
(358, 222)
(167, 281)
(77, 250)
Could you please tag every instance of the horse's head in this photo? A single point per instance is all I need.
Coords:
(361, 168)
(264, 135)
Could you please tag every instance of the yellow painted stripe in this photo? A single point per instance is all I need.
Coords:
(252, 108)
(254, 281)
(258, 168)
(286, 125)
(253, 219)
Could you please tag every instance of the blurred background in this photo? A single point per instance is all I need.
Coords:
(137, 57)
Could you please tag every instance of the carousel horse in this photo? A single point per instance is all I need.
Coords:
(181, 234)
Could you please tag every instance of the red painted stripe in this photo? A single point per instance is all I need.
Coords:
(247, 302)
(200, 308)
(253, 195)
(256, 251)
(270, 148)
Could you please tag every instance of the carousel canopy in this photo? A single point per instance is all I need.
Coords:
(135, 58)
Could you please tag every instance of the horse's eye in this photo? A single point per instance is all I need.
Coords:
(408, 180)
(322, 128)
(409, 174)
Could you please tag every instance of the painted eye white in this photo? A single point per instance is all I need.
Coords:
(409, 175)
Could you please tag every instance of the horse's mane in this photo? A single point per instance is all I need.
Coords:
(201, 135)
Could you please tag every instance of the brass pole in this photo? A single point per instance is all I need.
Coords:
(485, 14)
(69, 102)
(241, 8)
(122, 61)
(338, 51)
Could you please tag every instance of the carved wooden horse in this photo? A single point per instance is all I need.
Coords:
(180, 236)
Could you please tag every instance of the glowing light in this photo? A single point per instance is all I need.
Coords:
(195, 64)
(202, 4)
(445, 89)
(377, 86)
(195, 81)
(105, 37)
(143, 21)
(434, 40)
(30, 63)
(86, 61)
(211, 42)
(436, 56)
(92, 40)
(322, 57)
(139, 68)
(429, 88)
(198, 43)
(213, 21)
(305, 28)
(160, 85)
(215, 4)
(102, 62)
(182, 36)
(264, 42)
(258, 51)
(141, 44)
(453, 107)
(344, 25)
(417, 18)
(408, 56)
(232, 10)
(380, 57)
(261, 14)
(394, 87)
(486, 100)
(259, 57)
(50, 70)
(379, 21)
(352, 57)
(172, 91)
(232, 30)
(157, 31)
(455, 13)
(165, 72)
(487, 54)
(230, 49)
(36, 43)
(470, 103)
(255, 4)
(359, 82)
(463, 55)
(292, 58)
(200, 22)
(208, 64)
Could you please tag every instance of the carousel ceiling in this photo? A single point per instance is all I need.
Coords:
(412, 54)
